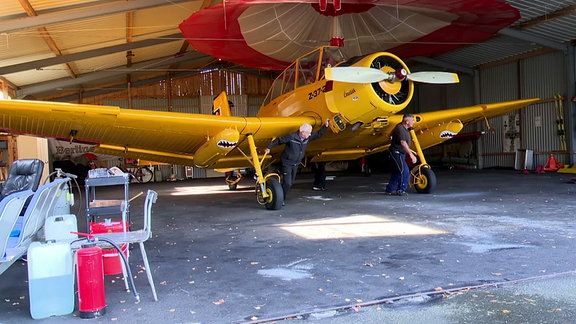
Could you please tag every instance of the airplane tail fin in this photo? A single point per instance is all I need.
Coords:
(221, 106)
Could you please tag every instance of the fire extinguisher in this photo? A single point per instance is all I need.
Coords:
(90, 273)
(90, 276)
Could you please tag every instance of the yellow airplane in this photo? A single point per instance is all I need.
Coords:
(361, 97)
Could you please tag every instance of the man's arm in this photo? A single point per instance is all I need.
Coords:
(278, 141)
(321, 131)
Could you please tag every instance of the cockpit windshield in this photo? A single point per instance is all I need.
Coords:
(306, 70)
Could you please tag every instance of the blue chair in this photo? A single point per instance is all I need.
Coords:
(10, 208)
(40, 207)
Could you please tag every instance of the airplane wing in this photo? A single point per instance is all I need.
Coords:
(438, 126)
(187, 139)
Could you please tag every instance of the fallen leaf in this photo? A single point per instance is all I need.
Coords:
(505, 311)
(438, 288)
(172, 310)
(220, 302)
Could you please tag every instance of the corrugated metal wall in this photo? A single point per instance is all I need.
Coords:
(544, 77)
(499, 83)
(540, 76)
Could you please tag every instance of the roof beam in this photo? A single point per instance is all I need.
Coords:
(89, 77)
(34, 65)
(12, 25)
(443, 64)
(45, 34)
(518, 34)
(566, 11)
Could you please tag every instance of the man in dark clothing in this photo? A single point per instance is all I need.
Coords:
(399, 147)
(319, 169)
(294, 150)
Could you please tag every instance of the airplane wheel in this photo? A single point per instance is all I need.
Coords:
(275, 194)
(425, 181)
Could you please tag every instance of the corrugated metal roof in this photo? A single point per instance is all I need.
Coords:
(550, 20)
(73, 44)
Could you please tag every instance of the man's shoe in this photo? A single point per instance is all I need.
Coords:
(401, 193)
(324, 188)
(388, 193)
(316, 188)
(283, 204)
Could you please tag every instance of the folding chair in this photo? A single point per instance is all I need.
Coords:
(138, 236)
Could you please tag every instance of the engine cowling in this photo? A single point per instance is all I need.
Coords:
(357, 103)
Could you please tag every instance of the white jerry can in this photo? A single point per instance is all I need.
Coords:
(50, 279)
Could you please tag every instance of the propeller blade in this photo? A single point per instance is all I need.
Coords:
(355, 74)
(434, 77)
(358, 74)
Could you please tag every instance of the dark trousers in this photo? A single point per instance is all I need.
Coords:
(288, 177)
(400, 173)
(319, 169)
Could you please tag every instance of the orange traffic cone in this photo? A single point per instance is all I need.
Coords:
(552, 164)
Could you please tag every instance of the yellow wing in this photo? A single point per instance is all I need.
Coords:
(438, 126)
(186, 139)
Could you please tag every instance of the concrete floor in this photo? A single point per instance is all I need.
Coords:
(487, 246)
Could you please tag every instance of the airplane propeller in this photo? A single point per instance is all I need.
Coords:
(357, 74)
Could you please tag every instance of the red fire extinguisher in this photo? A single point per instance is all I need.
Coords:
(90, 274)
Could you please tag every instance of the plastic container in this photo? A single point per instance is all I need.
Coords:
(59, 228)
(50, 279)
(110, 257)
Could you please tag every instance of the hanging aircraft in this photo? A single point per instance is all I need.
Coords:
(361, 97)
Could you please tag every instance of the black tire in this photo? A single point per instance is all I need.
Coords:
(144, 175)
(275, 193)
(426, 182)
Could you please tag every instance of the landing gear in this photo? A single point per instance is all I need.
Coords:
(422, 176)
(273, 197)
(233, 178)
(423, 179)
(268, 189)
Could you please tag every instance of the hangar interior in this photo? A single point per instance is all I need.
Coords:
(132, 54)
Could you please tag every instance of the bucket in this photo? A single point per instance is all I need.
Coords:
(110, 257)
(59, 228)
(50, 279)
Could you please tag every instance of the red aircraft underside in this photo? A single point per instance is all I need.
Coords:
(221, 30)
